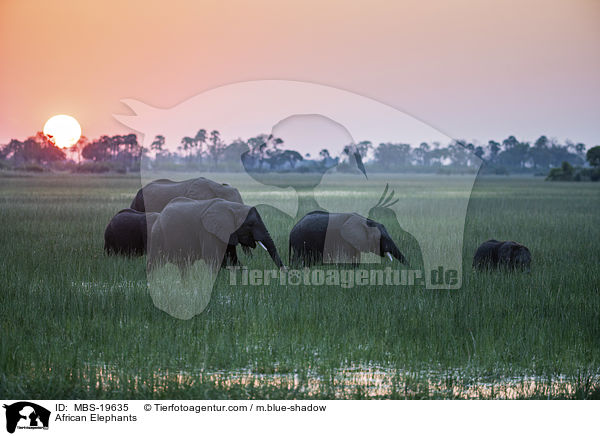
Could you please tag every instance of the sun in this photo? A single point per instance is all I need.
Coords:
(62, 130)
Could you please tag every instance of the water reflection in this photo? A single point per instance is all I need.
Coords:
(345, 383)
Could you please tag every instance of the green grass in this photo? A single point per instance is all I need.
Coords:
(78, 324)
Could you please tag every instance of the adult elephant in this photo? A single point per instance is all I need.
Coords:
(339, 237)
(188, 230)
(127, 231)
(157, 194)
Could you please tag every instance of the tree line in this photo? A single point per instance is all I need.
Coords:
(207, 151)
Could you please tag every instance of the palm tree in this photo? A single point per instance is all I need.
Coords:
(494, 149)
(187, 144)
(216, 145)
(158, 143)
(200, 140)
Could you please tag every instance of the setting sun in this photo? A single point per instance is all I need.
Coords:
(62, 130)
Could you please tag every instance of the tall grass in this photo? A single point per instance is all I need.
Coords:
(78, 324)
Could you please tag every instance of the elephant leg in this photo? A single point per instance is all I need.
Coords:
(230, 257)
(307, 258)
(314, 257)
(296, 258)
(247, 250)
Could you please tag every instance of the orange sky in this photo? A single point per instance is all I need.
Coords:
(473, 69)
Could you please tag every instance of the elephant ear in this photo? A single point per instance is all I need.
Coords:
(223, 218)
(360, 235)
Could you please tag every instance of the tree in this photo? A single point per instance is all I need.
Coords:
(258, 145)
(541, 142)
(187, 144)
(510, 142)
(216, 146)
(540, 153)
(14, 151)
(98, 150)
(324, 154)
(158, 143)
(564, 173)
(284, 159)
(567, 168)
(115, 145)
(131, 143)
(515, 154)
(479, 152)
(233, 152)
(422, 153)
(593, 156)
(200, 140)
(458, 153)
(37, 149)
(78, 147)
(392, 156)
(494, 149)
(469, 146)
(580, 148)
(363, 148)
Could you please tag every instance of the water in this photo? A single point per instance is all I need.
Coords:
(351, 382)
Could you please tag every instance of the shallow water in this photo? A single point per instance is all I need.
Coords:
(360, 381)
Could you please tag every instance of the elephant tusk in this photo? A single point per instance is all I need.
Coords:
(387, 253)
(262, 245)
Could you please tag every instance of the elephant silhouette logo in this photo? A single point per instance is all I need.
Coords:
(26, 415)
(299, 136)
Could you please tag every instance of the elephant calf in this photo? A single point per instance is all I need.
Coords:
(339, 237)
(507, 254)
(127, 232)
(188, 230)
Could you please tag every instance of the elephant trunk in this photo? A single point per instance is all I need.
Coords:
(398, 255)
(268, 243)
(388, 247)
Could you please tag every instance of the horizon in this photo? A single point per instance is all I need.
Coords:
(480, 72)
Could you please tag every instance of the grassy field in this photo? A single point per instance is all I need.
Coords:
(78, 324)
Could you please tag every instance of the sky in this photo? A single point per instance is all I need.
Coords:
(472, 69)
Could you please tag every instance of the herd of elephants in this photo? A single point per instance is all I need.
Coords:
(182, 222)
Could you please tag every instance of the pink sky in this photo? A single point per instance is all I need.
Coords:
(472, 69)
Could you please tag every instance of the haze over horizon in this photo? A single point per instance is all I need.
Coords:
(470, 69)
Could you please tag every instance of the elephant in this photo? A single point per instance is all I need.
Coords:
(127, 231)
(507, 254)
(339, 237)
(157, 194)
(188, 230)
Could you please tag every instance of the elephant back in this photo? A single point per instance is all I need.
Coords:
(203, 189)
(156, 195)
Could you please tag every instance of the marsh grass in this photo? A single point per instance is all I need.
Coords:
(78, 324)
